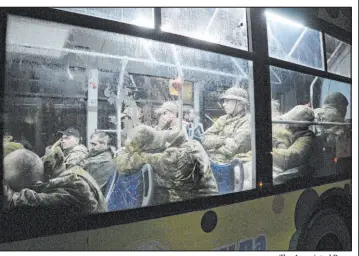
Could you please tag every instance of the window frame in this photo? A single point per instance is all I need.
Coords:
(36, 220)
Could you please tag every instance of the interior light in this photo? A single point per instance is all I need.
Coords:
(166, 27)
(144, 22)
(272, 16)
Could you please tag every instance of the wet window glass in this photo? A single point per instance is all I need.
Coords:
(226, 26)
(143, 17)
(131, 121)
(338, 56)
(311, 126)
(293, 42)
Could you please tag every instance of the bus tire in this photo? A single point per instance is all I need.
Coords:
(326, 231)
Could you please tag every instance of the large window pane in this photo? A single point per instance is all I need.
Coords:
(304, 151)
(227, 26)
(338, 56)
(291, 41)
(148, 98)
(138, 16)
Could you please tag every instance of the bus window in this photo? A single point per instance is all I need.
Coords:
(338, 56)
(226, 26)
(306, 143)
(108, 110)
(137, 16)
(291, 41)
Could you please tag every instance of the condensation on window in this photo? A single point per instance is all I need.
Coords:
(143, 17)
(338, 56)
(293, 42)
(80, 81)
(226, 26)
(311, 130)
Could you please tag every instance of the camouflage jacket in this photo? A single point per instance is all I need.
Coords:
(73, 188)
(328, 114)
(292, 149)
(74, 155)
(237, 129)
(99, 163)
(181, 168)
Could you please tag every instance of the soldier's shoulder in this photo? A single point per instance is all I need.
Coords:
(79, 149)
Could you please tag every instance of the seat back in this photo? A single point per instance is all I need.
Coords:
(130, 191)
(229, 176)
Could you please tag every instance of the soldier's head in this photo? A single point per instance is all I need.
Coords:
(298, 113)
(189, 115)
(235, 101)
(167, 115)
(22, 168)
(70, 138)
(99, 141)
(338, 101)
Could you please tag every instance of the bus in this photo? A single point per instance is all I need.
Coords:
(83, 67)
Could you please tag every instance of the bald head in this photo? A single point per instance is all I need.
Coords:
(22, 168)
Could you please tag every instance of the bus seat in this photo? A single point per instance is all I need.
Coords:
(130, 191)
(229, 176)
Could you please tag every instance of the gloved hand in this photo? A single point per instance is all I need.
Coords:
(53, 161)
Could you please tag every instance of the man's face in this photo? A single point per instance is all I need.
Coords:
(232, 107)
(165, 119)
(96, 145)
(69, 141)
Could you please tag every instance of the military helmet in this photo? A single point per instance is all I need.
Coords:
(336, 99)
(236, 93)
(299, 113)
(167, 106)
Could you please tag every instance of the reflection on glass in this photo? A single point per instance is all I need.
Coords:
(124, 115)
(338, 56)
(227, 26)
(291, 41)
(303, 149)
(138, 16)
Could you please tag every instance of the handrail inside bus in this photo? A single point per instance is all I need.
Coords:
(310, 123)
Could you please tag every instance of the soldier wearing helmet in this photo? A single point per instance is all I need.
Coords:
(334, 110)
(336, 137)
(230, 134)
(292, 145)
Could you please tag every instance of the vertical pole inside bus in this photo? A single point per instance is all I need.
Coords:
(119, 102)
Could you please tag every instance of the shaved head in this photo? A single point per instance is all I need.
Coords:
(22, 168)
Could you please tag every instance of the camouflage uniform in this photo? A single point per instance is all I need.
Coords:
(181, 167)
(332, 111)
(73, 188)
(230, 134)
(74, 155)
(99, 163)
(214, 141)
(292, 145)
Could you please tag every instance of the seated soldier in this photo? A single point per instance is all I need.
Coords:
(334, 110)
(99, 161)
(181, 167)
(167, 115)
(71, 147)
(230, 134)
(28, 181)
(292, 145)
